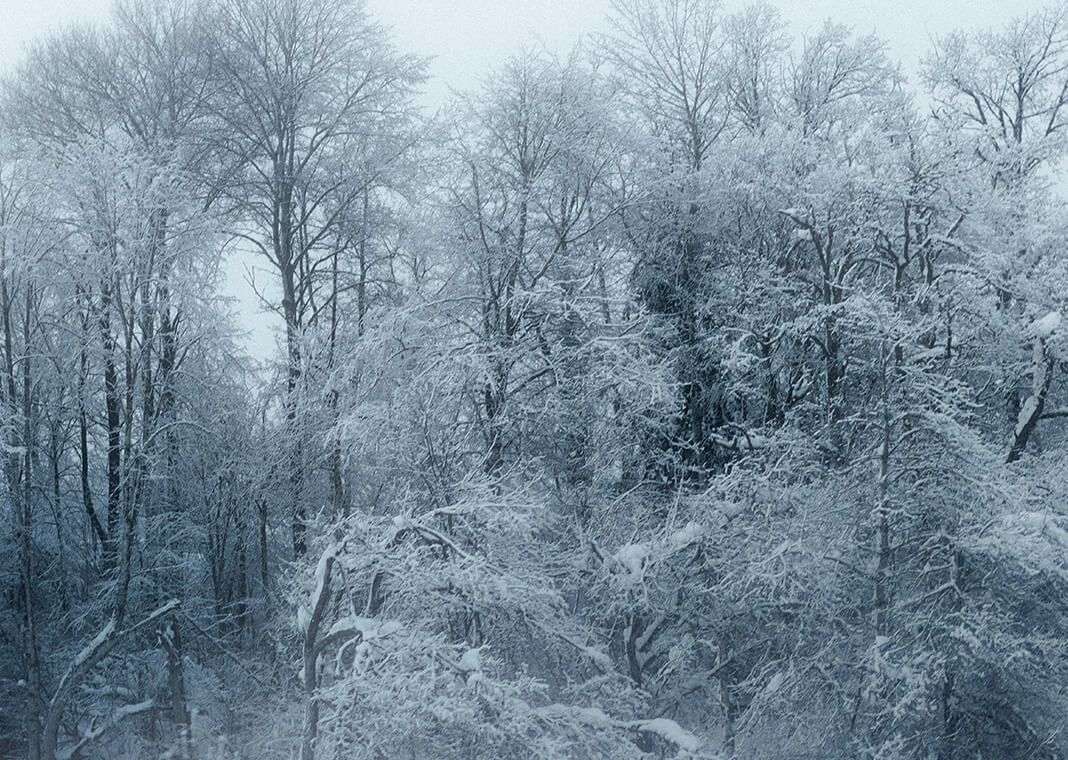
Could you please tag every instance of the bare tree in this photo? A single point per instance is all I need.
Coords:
(304, 88)
(671, 55)
(1007, 90)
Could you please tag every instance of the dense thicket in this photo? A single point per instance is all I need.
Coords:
(699, 395)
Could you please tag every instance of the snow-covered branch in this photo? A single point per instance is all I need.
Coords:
(93, 652)
(96, 730)
(1042, 365)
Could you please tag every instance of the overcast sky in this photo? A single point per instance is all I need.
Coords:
(468, 38)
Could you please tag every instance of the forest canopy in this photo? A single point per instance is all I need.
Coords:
(699, 394)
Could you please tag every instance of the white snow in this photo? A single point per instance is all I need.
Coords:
(632, 558)
(685, 536)
(671, 731)
(140, 707)
(1037, 539)
(1045, 326)
(740, 442)
(304, 614)
(665, 728)
(361, 656)
(592, 715)
(1045, 524)
(347, 623)
(774, 684)
(1030, 406)
(602, 660)
(320, 573)
(471, 661)
(93, 645)
(96, 731)
(783, 548)
(928, 354)
(368, 628)
(730, 509)
(965, 634)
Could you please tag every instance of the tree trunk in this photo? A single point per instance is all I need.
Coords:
(882, 570)
(294, 449)
(114, 432)
(262, 514)
(311, 650)
(1027, 416)
(172, 643)
(19, 473)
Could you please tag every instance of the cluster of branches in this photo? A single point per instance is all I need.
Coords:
(696, 395)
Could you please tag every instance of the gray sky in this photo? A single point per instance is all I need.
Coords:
(468, 38)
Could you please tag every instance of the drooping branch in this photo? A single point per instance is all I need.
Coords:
(94, 652)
